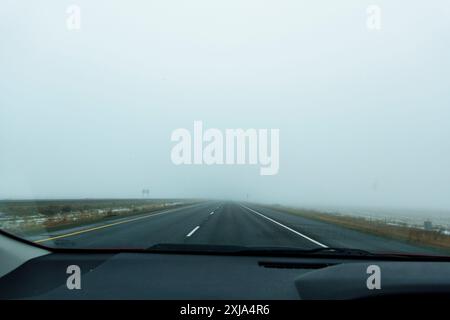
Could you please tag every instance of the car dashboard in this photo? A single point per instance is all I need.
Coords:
(129, 275)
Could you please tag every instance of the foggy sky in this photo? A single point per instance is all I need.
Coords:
(364, 116)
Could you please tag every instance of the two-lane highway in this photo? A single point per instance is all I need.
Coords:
(223, 223)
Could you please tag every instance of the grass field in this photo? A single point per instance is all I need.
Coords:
(44, 216)
(406, 233)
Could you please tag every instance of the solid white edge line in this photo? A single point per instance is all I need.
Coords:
(286, 227)
(192, 232)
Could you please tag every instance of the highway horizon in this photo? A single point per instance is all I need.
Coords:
(221, 223)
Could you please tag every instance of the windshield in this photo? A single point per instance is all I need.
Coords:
(267, 125)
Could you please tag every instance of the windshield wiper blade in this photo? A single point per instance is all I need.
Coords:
(326, 252)
(244, 250)
(343, 251)
(295, 252)
(182, 247)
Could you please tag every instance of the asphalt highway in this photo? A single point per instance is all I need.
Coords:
(222, 223)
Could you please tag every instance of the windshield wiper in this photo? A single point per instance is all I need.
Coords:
(343, 251)
(244, 250)
(194, 248)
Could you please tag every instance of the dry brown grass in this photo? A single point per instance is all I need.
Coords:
(405, 233)
(91, 214)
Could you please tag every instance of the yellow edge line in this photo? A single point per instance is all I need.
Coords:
(97, 228)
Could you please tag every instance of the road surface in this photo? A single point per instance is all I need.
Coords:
(222, 223)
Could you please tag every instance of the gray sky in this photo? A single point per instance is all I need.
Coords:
(364, 116)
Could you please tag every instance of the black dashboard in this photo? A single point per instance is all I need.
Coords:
(205, 277)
